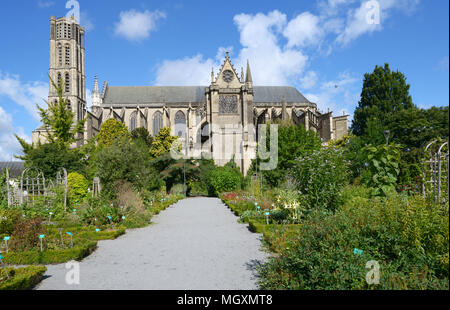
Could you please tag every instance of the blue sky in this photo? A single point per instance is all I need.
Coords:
(322, 47)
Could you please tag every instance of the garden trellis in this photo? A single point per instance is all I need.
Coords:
(435, 172)
(61, 180)
(96, 187)
(34, 186)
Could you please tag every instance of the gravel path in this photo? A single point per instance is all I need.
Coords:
(196, 244)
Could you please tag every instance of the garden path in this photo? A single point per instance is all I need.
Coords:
(196, 244)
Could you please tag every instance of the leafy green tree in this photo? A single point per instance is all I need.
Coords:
(110, 131)
(415, 127)
(143, 134)
(384, 94)
(61, 131)
(58, 120)
(125, 160)
(52, 156)
(162, 142)
(293, 141)
(77, 186)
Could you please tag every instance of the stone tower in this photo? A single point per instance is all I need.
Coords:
(67, 58)
(230, 110)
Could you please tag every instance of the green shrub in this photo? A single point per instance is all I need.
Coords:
(223, 179)
(381, 167)
(110, 131)
(127, 161)
(22, 278)
(408, 237)
(287, 206)
(25, 234)
(77, 187)
(293, 141)
(177, 189)
(320, 177)
(78, 252)
(197, 189)
(8, 221)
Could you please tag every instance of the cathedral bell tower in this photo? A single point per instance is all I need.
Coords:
(67, 58)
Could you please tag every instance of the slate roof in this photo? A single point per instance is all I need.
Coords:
(154, 94)
(15, 168)
(194, 94)
(274, 94)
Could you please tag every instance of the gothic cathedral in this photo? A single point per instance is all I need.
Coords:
(229, 109)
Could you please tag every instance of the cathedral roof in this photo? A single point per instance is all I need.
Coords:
(154, 94)
(194, 94)
(275, 94)
(15, 168)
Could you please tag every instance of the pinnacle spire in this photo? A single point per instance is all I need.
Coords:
(248, 78)
(96, 88)
(284, 115)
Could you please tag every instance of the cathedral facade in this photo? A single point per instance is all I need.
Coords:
(216, 117)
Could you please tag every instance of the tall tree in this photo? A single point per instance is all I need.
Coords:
(384, 93)
(110, 131)
(142, 134)
(162, 142)
(61, 132)
(293, 141)
(58, 120)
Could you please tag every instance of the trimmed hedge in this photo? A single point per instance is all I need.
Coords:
(51, 256)
(22, 278)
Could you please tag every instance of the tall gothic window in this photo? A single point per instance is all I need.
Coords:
(60, 56)
(58, 31)
(67, 55)
(180, 124)
(80, 111)
(157, 122)
(59, 79)
(67, 83)
(133, 121)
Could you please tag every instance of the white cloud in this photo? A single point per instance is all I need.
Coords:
(357, 19)
(309, 80)
(259, 39)
(45, 4)
(271, 62)
(25, 94)
(9, 146)
(279, 48)
(340, 95)
(187, 71)
(136, 26)
(304, 30)
(86, 21)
